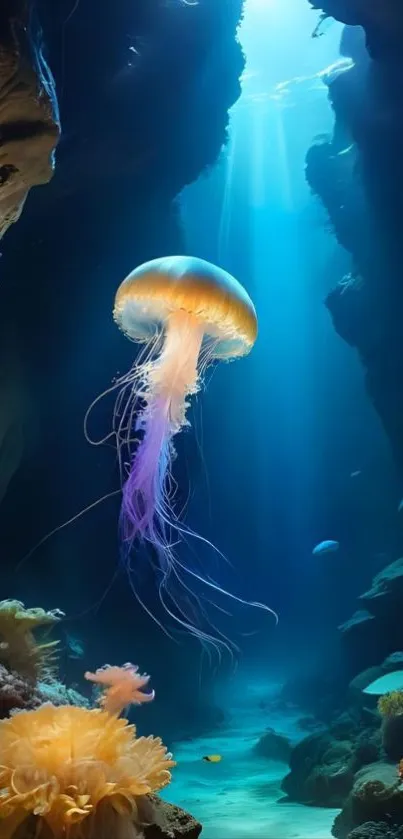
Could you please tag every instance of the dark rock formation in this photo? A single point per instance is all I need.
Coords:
(170, 822)
(376, 797)
(29, 127)
(321, 771)
(382, 19)
(323, 765)
(373, 635)
(273, 746)
(159, 820)
(359, 177)
(386, 593)
(376, 830)
(392, 737)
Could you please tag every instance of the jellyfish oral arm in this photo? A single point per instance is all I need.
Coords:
(174, 375)
(168, 381)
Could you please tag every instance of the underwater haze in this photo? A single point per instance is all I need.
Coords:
(200, 484)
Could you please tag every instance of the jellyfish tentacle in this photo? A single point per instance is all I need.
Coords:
(168, 380)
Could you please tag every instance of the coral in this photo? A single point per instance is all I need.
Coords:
(123, 687)
(17, 693)
(77, 771)
(391, 704)
(19, 650)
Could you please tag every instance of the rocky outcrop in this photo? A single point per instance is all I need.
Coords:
(322, 766)
(321, 771)
(170, 822)
(273, 746)
(376, 796)
(29, 126)
(382, 20)
(358, 175)
(372, 635)
(376, 830)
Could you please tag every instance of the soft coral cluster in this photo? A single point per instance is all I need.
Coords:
(68, 771)
(123, 686)
(79, 772)
(20, 649)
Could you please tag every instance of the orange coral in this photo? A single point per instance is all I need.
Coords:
(123, 687)
(77, 771)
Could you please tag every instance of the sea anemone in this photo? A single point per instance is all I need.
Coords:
(20, 651)
(76, 773)
(123, 686)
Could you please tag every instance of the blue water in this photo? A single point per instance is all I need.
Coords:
(284, 452)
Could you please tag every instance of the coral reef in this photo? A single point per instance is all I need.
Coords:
(66, 767)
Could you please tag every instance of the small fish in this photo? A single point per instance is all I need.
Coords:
(355, 474)
(212, 758)
(347, 150)
(328, 546)
(75, 647)
(400, 507)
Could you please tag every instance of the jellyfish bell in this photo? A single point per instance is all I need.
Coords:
(186, 313)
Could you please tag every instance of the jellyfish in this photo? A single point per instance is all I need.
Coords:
(186, 313)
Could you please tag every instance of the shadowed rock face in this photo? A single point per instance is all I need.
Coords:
(359, 178)
(381, 19)
(29, 128)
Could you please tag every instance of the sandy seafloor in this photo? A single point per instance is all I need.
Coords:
(238, 797)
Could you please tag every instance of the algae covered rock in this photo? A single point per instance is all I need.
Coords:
(168, 821)
(376, 796)
(321, 771)
(323, 766)
(376, 830)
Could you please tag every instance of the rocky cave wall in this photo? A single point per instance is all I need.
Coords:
(359, 177)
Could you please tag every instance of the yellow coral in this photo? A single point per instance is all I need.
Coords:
(391, 704)
(19, 650)
(77, 771)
